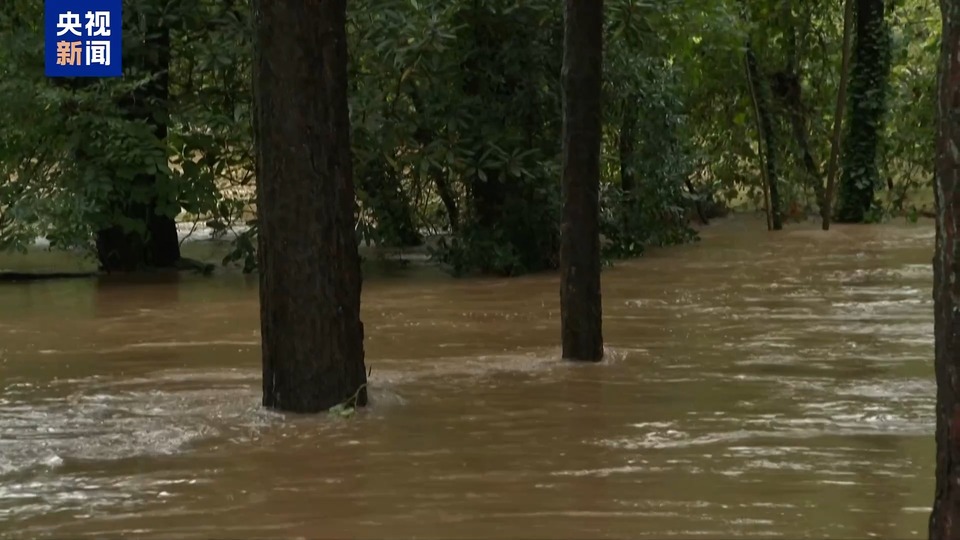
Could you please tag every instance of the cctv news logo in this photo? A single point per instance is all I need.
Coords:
(82, 38)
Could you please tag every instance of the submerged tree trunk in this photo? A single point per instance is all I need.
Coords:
(580, 306)
(868, 90)
(826, 209)
(945, 517)
(759, 91)
(157, 245)
(309, 265)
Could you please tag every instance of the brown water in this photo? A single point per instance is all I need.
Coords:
(756, 384)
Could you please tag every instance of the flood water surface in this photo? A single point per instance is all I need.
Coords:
(756, 384)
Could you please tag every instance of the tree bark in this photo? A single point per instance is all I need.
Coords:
(945, 517)
(310, 281)
(158, 245)
(580, 306)
(868, 90)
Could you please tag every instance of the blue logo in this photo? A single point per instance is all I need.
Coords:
(82, 38)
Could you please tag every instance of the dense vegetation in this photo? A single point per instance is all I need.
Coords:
(456, 118)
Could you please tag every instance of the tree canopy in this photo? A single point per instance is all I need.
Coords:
(456, 123)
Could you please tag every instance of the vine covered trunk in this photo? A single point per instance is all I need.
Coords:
(868, 91)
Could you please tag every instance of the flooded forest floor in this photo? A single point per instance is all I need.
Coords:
(756, 384)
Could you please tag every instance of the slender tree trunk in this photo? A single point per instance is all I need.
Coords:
(945, 517)
(158, 245)
(826, 209)
(759, 92)
(580, 306)
(868, 89)
(309, 266)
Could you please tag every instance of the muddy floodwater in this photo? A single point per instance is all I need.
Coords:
(756, 384)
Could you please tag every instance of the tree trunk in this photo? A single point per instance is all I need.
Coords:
(309, 266)
(868, 89)
(945, 517)
(580, 306)
(158, 245)
(826, 209)
(759, 91)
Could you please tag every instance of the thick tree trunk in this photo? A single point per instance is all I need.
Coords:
(309, 265)
(868, 90)
(580, 306)
(760, 91)
(945, 517)
(158, 246)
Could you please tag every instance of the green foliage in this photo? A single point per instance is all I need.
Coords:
(73, 151)
(906, 157)
(348, 407)
(456, 116)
